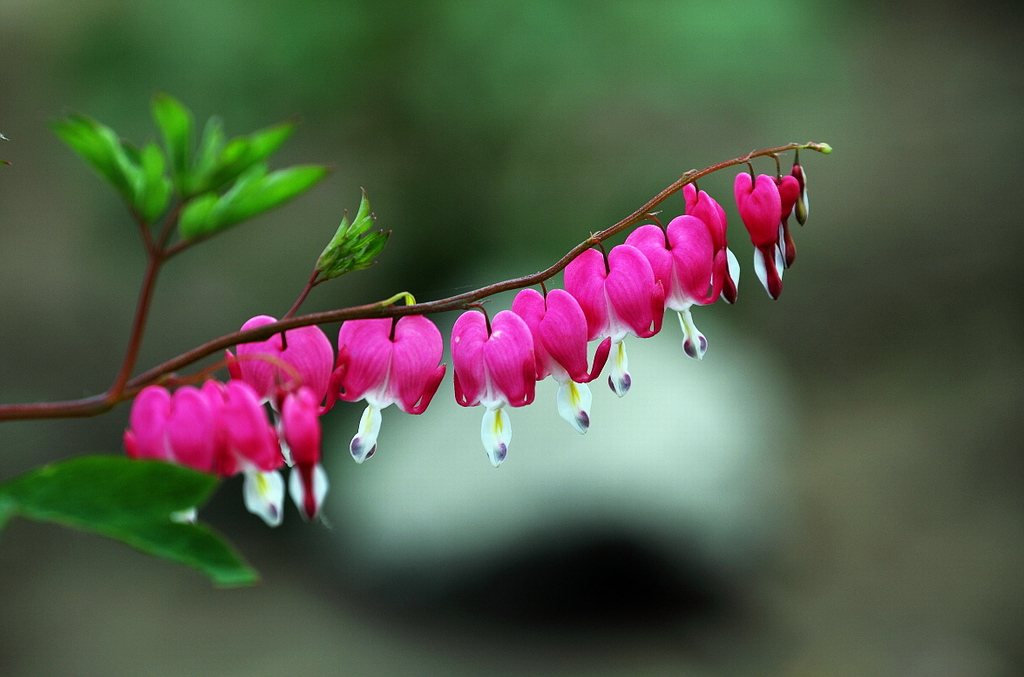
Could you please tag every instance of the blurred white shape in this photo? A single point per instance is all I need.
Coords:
(689, 458)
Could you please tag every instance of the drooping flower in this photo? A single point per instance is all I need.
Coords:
(387, 362)
(248, 444)
(221, 429)
(685, 263)
(298, 357)
(760, 207)
(619, 297)
(494, 366)
(789, 195)
(300, 429)
(707, 209)
(559, 330)
(179, 428)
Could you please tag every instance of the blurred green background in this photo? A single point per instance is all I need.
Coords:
(491, 137)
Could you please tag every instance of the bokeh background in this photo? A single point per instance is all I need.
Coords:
(835, 490)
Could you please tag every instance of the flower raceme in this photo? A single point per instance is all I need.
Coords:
(385, 362)
(619, 296)
(494, 366)
(559, 330)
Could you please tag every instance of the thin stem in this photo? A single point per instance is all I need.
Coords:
(154, 261)
(163, 372)
(312, 282)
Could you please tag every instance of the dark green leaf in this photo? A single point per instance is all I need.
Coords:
(176, 128)
(195, 216)
(131, 501)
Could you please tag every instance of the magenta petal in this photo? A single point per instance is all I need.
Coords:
(415, 371)
(467, 344)
(300, 426)
(563, 334)
(508, 355)
(365, 345)
(148, 423)
(693, 256)
(309, 354)
(760, 207)
(248, 434)
(530, 305)
(653, 242)
(632, 290)
(585, 280)
(191, 430)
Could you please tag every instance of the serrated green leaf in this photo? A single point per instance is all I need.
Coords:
(131, 501)
(100, 147)
(176, 127)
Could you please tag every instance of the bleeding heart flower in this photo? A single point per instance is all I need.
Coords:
(273, 369)
(619, 296)
(300, 429)
(559, 330)
(707, 209)
(494, 366)
(760, 207)
(684, 262)
(387, 362)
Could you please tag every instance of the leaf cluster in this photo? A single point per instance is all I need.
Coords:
(352, 247)
(219, 182)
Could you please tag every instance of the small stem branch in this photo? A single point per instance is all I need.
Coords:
(138, 326)
(125, 388)
(302, 297)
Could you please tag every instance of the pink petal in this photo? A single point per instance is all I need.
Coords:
(760, 207)
(633, 292)
(415, 370)
(585, 280)
(468, 335)
(191, 430)
(364, 352)
(563, 334)
(148, 424)
(508, 355)
(693, 257)
(530, 305)
(300, 426)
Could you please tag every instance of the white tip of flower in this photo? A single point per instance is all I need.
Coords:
(184, 516)
(263, 493)
(365, 442)
(308, 499)
(496, 434)
(574, 400)
(694, 343)
(619, 380)
(734, 266)
(780, 252)
(761, 269)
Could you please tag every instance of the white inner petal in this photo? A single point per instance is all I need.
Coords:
(365, 442)
(496, 434)
(574, 400)
(263, 493)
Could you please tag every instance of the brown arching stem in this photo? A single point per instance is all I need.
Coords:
(125, 387)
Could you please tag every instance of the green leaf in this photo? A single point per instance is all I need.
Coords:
(131, 501)
(210, 147)
(100, 147)
(243, 152)
(176, 128)
(352, 247)
(153, 192)
(254, 192)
